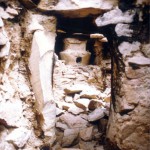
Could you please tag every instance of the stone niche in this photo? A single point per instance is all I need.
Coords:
(75, 52)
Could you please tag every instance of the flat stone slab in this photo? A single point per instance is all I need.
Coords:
(139, 60)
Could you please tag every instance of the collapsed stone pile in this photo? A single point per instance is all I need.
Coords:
(82, 105)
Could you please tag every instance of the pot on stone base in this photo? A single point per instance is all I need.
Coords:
(75, 52)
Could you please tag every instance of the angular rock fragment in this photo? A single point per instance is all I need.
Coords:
(139, 60)
(70, 135)
(61, 126)
(94, 103)
(75, 110)
(68, 99)
(90, 93)
(87, 145)
(3, 37)
(73, 121)
(86, 134)
(19, 136)
(114, 16)
(123, 30)
(4, 51)
(82, 103)
(11, 11)
(1, 22)
(96, 114)
(59, 111)
(14, 114)
(126, 48)
(107, 99)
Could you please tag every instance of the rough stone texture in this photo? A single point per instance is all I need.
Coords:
(129, 122)
(70, 135)
(17, 117)
(41, 65)
(97, 114)
(77, 8)
(123, 30)
(115, 16)
(86, 134)
(24, 126)
(19, 137)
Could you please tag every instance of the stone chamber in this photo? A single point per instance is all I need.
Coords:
(74, 75)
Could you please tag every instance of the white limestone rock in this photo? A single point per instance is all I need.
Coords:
(115, 16)
(96, 114)
(1, 22)
(68, 99)
(70, 135)
(11, 112)
(41, 65)
(6, 146)
(139, 60)
(59, 111)
(90, 93)
(12, 11)
(61, 126)
(4, 14)
(19, 136)
(123, 30)
(75, 110)
(73, 121)
(86, 134)
(82, 103)
(35, 25)
(126, 48)
(5, 50)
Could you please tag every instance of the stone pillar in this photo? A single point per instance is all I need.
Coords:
(41, 66)
(98, 52)
(75, 52)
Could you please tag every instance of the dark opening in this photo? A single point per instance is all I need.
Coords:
(78, 59)
(84, 26)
